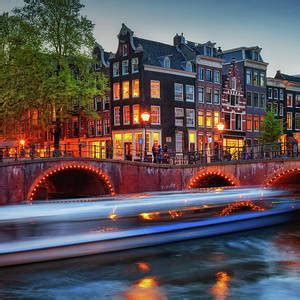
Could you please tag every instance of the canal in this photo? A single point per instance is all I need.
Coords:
(257, 264)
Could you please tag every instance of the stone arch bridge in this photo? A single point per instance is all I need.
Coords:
(81, 177)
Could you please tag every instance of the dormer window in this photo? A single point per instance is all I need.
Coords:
(208, 51)
(124, 49)
(167, 63)
(255, 55)
(189, 67)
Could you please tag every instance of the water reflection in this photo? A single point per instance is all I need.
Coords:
(220, 290)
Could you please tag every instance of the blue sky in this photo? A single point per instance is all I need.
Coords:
(271, 24)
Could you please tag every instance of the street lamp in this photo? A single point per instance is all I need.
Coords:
(220, 127)
(145, 117)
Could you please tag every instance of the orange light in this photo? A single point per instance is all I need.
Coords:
(147, 282)
(22, 142)
(149, 216)
(143, 266)
(220, 127)
(145, 116)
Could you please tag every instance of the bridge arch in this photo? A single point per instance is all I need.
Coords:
(208, 179)
(62, 178)
(285, 178)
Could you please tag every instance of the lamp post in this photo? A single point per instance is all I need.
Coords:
(220, 127)
(145, 117)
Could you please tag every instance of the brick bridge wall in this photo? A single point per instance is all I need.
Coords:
(18, 179)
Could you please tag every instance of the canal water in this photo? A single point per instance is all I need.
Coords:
(260, 264)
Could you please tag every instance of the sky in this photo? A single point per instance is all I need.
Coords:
(271, 24)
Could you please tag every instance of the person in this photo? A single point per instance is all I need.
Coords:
(154, 153)
(165, 154)
(159, 154)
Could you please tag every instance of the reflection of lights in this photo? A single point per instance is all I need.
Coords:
(236, 206)
(175, 214)
(149, 216)
(221, 287)
(147, 282)
(113, 216)
(143, 266)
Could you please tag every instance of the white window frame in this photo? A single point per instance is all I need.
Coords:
(132, 88)
(219, 76)
(128, 89)
(153, 81)
(190, 93)
(201, 71)
(190, 115)
(178, 87)
(179, 142)
(133, 110)
(125, 107)
(155, 106)
(134, 62)
(125, 63)
(201, 88)
(290, 114)
(116, 69)
(292, 100)
(270, 95)
(219, 96)
(117, 108)
(235, 116)
(119, 87)
(179, 112)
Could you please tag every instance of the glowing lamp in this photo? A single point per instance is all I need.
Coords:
(145, 116)
(22, 143)
(220, 127)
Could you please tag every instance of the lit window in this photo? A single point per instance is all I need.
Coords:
(200, 95)
(248, 77)
(208, 95)
(256, 123)
(136, 114)
(116, 69)
(126, 115)
(135, 65)
(217, 97)
(217, 76)
(135, 88)
(117, 115)
(116, 90)
(124, 49)
(289, 101)
(189, 91)
(208, 75)
(288, 120)
(189, 67)
(125, 89)
(190, 117)
(200, 118)
(261, 121)
(209, 119)
(255, 78)
(155, 114)
(216, 118)
(249, 122)
(178, 91)
(125, 67)
(200, 74)
(155, 89)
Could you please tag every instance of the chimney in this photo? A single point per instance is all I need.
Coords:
(178, 39)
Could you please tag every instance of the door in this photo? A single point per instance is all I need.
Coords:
(128, 150)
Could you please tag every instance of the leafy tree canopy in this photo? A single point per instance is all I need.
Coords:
(271, 128)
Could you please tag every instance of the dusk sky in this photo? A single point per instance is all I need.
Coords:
(271, 24)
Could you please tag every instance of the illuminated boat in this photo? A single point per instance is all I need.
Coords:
(149, 228)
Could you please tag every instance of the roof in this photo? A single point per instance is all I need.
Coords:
(155, 53)
(289, 78)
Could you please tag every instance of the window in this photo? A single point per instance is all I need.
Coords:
(255, 100)
(217, 76)
(116, 90)
(275, 93)
(99, 127)
(270, 93)
(232, 99)
(297, 121)
(200, 95)
(200, 74)
(289, 100)
(289, 120)
(238, 121)
(178, 91)
(135, 88)
(262, 100)
(167, 62)
(261, 121)
(209, 51)
(126, 115)
(281, 109)
(200, 118)
(155, 89)
(208, 95)
(275, 108)
(208, 119)
(249, 122)
(124, 49)
(135, 65)
(125, 89)
(155, 114)
(125, 67)
(136, 114)
(255, 55)
(255, 78)
(117, 115)
(179, 141)
(298, 100)
(227, 121)
(189, 93)
(190, 117)
(217, 96)
(179, 114)
(233, 83)
(189, 67)
(248, 77)
(249, 98)
(281, 94)
(216, 118)
(208, 74)
(262, 79)
(116, 69)
(256, 123)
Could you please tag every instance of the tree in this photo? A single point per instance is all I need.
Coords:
(271, 128)
(59, 62)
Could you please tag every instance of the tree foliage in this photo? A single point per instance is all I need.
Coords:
(271, 128)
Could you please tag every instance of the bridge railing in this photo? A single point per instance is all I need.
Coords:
(220, 154)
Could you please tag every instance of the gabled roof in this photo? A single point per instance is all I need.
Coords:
(289, 78)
